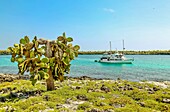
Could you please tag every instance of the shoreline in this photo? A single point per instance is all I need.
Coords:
(127, 52)
(12, 77)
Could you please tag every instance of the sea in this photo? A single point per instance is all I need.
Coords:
(144, 68)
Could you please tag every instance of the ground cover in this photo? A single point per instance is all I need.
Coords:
(85, 94)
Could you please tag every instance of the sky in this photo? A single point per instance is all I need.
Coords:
(143, 24)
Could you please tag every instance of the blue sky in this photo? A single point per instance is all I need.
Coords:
(143, 24)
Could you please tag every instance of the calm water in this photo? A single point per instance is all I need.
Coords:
(145, 67)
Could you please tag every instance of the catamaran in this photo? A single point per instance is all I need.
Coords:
(116, 58)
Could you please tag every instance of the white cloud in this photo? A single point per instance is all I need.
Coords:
(109, 10)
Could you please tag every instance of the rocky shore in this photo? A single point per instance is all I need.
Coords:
(12, 77)
(83, 94)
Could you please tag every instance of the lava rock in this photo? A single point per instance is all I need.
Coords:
(108, 110)
(156, 89)
(9, 109)
(68, 101)
(116, 105)
(142, 104)
(9, 88)
(31, 93)
(140, 87)
(78, 87)
(58, 106)
(14, 88)
(8, 79)
(150, 90)
(57, 87)
(20, 95)
(11, 77)
(26, 92)
(94, 110)
(97, 90)
(165, 100)
(118, 78)
(130, 88)
(85, 78)
(4, 90)
(82, 97)
(2, 99)
(104, 88)
(46, 97)
(90, 90)
(102, 104)
(13, 95)
(38, 92)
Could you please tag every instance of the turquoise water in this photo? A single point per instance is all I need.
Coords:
(145, 67)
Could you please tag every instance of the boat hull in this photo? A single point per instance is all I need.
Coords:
(116, 62)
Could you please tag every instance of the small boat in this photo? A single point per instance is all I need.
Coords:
(116, 58)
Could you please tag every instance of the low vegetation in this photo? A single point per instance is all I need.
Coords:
(84, 94)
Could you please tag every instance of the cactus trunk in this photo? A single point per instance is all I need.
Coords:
(50, 82)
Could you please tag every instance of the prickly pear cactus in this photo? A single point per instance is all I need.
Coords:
(44, 58)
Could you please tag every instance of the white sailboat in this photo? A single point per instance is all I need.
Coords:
(116, 58)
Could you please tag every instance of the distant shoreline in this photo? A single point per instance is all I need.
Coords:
(150, 52)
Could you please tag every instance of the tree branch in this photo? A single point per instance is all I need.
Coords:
(42, 41)
(48, 49)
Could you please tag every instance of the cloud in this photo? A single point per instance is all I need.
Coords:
(109, 10)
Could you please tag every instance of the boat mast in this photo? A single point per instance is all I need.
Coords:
(123, 46)
(110, 47)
